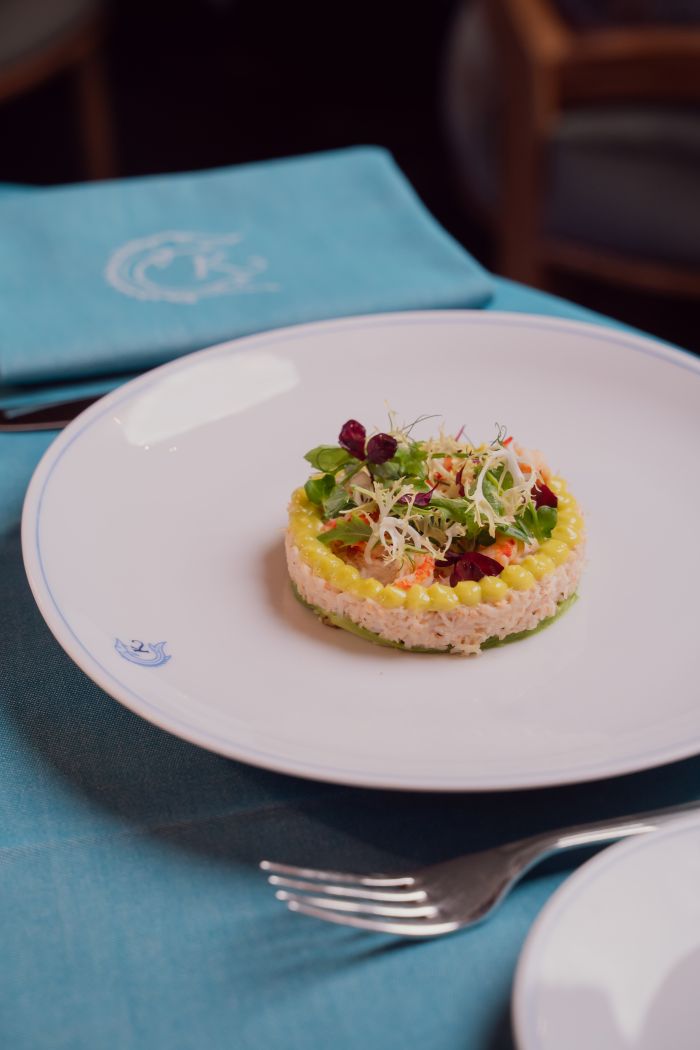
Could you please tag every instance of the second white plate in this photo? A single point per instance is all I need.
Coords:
(153, 527)
(613, 961)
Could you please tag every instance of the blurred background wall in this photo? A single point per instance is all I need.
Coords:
(558, 140)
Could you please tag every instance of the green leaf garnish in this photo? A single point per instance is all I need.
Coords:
(459, 510)
(406, 463)
(517, 530)
(456, 509)
(411, 461)
(347, 532)
(547, 519)
(540, 522)
(336, 501)
(492, 492)
(329, 458)
(319, 489)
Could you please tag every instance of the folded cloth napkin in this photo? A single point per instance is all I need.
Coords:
(107, 279)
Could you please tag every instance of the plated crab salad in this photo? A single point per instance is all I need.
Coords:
(440, 545)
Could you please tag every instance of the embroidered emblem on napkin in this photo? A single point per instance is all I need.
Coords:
(180, 266)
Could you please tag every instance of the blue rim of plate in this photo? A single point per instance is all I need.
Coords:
(193, 733)
(564, 897)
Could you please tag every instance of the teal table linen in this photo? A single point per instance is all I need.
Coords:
(105, 279)
(132, 913)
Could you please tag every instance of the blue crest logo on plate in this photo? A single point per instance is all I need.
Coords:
(181, 266)
(151, 654)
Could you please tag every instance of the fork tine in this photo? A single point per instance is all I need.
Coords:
(337, 876)
(406, 928)
(359, 892)
(392, 911)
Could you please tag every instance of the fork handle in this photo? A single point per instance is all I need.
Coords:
(531, 850)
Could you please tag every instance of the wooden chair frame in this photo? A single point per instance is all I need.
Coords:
(546, 68)
(78, 50)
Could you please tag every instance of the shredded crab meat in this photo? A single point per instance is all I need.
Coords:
(422, 572)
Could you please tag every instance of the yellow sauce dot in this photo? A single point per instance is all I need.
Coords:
(468, 592)
(299, 498)
(313, 553)
(343, 575)
(303, 529)
(538, 564)
(327, 567)
(558, 486)
(417, 598)
(493, 589)
(441, 597)
(566, 534)
(368, 588)
(304, 508)
(571, 519)
(517, 577)
(556, 550)
(302, 519)
(391, 597)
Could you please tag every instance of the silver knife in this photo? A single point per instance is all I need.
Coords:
(49, 417)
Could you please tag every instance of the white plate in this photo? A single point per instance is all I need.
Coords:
(613, 961)
(158, 515)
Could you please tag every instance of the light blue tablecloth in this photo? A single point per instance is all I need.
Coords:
(132, 914)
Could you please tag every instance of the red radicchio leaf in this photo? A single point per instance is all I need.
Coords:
(380, 448)
(450, 558)
(542, 496)
(352, 437)
(458, 479)
(422, 499)
(470, 566)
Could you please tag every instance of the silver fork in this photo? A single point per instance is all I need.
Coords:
(444, 897)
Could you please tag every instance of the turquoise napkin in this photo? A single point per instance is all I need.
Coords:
(106, 279)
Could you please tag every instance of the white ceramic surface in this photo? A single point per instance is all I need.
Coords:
(613, 961)
(158, 515)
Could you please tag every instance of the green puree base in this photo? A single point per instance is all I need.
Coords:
(345, 624)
